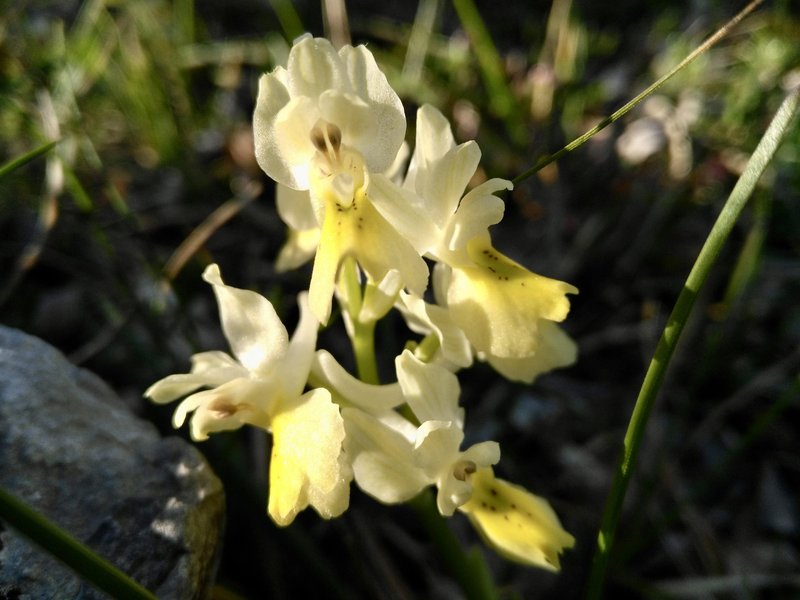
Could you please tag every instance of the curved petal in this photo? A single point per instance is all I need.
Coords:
(380, 297)
(251, 325)
(295, 208)
(424, 318)
(405, 211)
(272, 97)
(300, 247)
(430, 390)
(478, 210)
(371, 398)
(434, 140)
(382, 460)
(314, 66)
(296, 364)
(380, 143)
(452, 493)
(293, 150)
(444, 182)
(436, 446)
(226, 407)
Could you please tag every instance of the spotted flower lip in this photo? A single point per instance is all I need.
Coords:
(345, 89)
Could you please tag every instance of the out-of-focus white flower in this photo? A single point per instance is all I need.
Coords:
(262, 384)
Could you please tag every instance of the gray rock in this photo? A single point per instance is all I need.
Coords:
(71, 449)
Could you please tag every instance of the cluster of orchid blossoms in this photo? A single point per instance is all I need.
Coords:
(330, 131)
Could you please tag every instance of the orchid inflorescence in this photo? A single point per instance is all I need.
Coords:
(329, 129)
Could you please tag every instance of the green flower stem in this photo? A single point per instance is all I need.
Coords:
(364, 348)
(77, 556)
(579, 141)
(470, 569)
(363, 334)
(672, 332)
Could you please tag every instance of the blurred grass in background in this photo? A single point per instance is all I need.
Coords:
(151, 101)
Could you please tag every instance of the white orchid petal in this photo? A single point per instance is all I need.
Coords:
(403, 209)
(370, 398)
(272, 97)
(300, 353)
(380, 143)
(436, 446)
(452, 493)
(379, 298)
(434, 140)
(382, 459)
(478, 210)
(291, 129)
(314, 67)
(300, 247)
(226, 407)
(444, 183)
(295, 208)
(251, 325)
(424, 318)
(430, 390)
(173, 387)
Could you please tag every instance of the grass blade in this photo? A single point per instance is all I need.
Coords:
(501, 99)
(669, 338)
(16, 163)
(579, 141)
(69, 550)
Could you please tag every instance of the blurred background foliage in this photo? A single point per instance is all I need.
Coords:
(102, 242)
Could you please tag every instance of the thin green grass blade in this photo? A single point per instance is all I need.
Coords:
(469, 568)
(70, 551)
(288, 18)
(16, 163)
(579, 141)
(501, 99)
(419, 41)
(666, 346)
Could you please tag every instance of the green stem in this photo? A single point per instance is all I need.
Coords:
(672, 332)
(363, 334)
(364, 348)
(470, 569)
(77, 556)
(577, 142)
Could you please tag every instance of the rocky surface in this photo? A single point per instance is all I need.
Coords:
(72, 450)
